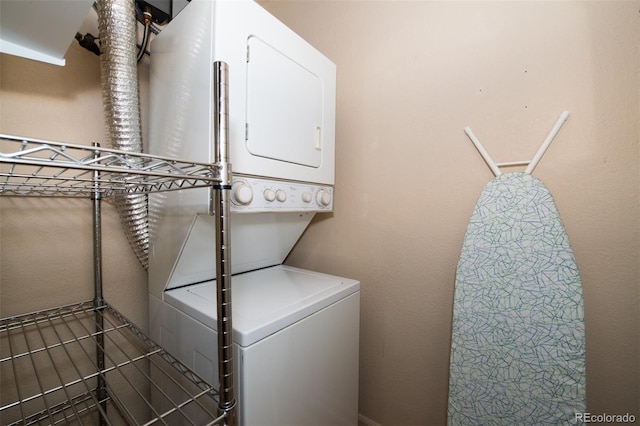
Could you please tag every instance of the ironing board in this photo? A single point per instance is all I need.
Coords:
(517, 355)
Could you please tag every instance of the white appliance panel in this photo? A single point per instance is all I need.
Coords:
(181, 86)
(315, 363)
(251, 194)
(258, 241)
(264, 301)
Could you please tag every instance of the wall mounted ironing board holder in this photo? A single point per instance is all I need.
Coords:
(495, 167)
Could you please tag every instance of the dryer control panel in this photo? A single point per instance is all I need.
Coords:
(251, 194)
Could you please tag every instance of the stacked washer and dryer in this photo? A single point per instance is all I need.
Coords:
(295, 332)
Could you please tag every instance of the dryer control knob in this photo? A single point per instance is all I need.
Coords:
(281, 195)
(269, 195)
(306, 197)
(323, 198)
(242, 193)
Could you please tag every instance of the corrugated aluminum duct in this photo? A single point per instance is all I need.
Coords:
(117, 30)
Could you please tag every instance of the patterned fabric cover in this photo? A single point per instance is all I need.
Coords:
(517, 355)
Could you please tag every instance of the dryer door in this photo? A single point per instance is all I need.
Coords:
(284, 107)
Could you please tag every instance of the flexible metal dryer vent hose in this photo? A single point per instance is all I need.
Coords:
(117, 32)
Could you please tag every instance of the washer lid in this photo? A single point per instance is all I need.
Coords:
(264, 301)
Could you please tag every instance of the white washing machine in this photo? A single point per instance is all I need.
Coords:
(296, 336)
(295, 332)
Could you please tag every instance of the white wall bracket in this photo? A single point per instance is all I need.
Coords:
(495, 167)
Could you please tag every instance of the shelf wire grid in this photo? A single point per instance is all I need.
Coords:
(47, 168)
(50, 374)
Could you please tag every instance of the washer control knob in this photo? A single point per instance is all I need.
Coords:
(269, 195)
(323, 198)
(242, 193)
(306, 197)
(281, 195)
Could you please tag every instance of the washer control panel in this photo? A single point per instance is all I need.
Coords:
(252, 194)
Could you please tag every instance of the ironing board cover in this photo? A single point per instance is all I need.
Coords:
(517, 355)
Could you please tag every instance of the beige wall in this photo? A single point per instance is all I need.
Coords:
(46, 251)
(411, 76)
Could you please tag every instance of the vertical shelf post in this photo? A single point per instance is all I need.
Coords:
(220, 208)
(98, 301)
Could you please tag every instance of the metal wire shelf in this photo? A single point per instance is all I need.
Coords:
(57, 349)
(86, 363)
(46, 168)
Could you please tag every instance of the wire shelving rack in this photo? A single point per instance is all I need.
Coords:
(85, 361)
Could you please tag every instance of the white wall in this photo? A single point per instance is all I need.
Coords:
(411, 76)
